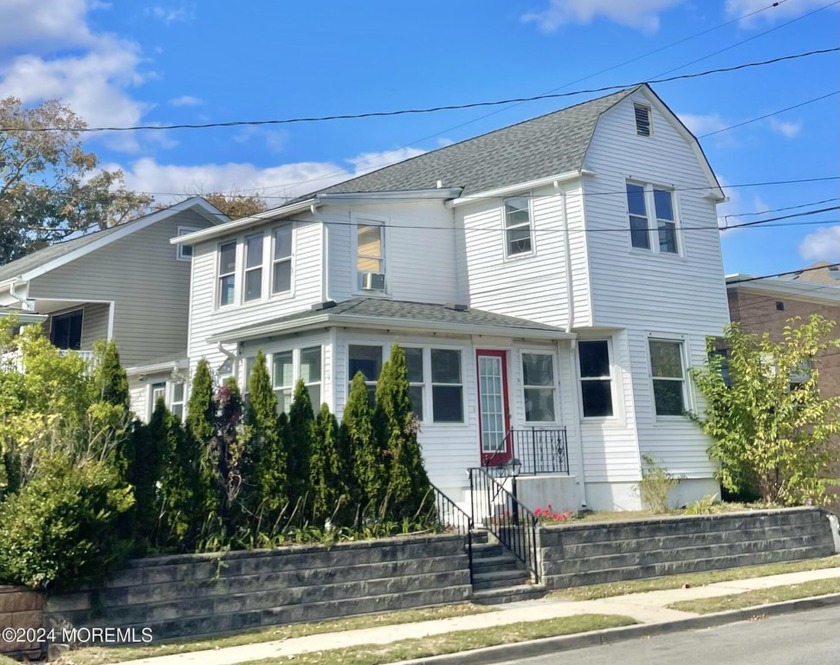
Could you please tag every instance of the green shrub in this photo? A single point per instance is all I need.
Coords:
(61, 529)
(656, 485)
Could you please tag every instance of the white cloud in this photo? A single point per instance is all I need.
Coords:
(821, 245)
(640, 14)
(168, 181)
(699, 124)
(186, 100)
(93, 78)
(782, 11)
(789, 130)
(275, 140)
(172, 14)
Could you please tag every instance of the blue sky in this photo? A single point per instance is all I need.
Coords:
(170, 61)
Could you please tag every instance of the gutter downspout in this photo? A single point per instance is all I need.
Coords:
(24, 302)
(325, 254)
(232, 357)
(570, 308)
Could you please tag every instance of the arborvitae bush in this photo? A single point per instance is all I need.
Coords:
(200, 429)
(264, 464)
(225, 450)
(369, 472)
(110, 382)
(408, 484)
(148, 448)
(327, 471)
(300, 438)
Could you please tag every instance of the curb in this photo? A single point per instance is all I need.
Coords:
(549, 645)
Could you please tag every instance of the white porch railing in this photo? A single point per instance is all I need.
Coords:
(12, 361)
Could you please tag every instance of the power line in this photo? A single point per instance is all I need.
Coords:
(431, 109)
(783, 274)
(767, 115)
(794, 207)
(774, 219)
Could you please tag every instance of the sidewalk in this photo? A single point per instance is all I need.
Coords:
(647, 608)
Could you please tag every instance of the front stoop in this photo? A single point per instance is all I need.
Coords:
(499, 577)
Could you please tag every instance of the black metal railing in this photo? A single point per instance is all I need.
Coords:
(452, 519)
(503, 515)
(533, 451)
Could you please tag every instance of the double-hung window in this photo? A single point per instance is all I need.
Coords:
(666, 225)
(253, 267)
(518, 230)
(538, 380)
(639, 235)
(310, 372)
(370, 257)
(595, 378)
(666, 368)
(283, 379)
(447, 386)
(227, 273)
(177, 404)
(185, 252)
(414, 361)
(156, 393)
(368, 361)
(281, 262)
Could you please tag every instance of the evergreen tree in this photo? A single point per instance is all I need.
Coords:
(327, 471)
(264, 462)
(369, 473)
(200, 429)
(225, 450)
(300, 438)
(408, 483)
(109, 412)
(109, 378)
(148, 447)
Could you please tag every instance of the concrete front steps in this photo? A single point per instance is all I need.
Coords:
(498, 576)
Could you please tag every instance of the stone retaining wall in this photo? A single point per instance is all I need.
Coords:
(21, 610)
(581, 554)
(200, 594)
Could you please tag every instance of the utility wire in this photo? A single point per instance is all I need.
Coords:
(784, 274)
(431, 109)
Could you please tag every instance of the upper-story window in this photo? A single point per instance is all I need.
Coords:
(643, 125)
(651, 209)
(253, 266)
(370, 257)
(185, 252)
(518, 227)
(227, 273)
(281, 262)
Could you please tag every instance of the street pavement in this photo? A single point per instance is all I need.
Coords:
(802, 638)
(648, 609)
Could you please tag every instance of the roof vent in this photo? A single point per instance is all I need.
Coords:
(318, 306)
(457, 307)
(642, 119)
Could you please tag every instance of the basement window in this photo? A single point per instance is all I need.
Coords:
(642, 119)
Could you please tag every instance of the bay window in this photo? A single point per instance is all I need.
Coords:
(368, 361)
(310, 372)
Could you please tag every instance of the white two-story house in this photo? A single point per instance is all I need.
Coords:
(552, 283)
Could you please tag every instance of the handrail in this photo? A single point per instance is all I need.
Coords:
(453, 518)
(534, 450)
(508, 519)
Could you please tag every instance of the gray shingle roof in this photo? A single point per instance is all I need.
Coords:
(411, 312)
(530, 150)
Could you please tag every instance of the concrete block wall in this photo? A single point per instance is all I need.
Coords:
(201, 594)
(581, 554)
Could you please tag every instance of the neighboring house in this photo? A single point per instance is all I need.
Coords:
(552, 282)
(765, 305)
(126, 283)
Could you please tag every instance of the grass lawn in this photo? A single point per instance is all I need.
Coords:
(434, 645)
(99, 655)
(737, 601)
(596, 591)
(5, 660)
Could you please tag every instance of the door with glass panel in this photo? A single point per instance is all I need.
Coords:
(494, 415)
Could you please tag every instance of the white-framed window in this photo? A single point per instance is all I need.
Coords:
(176, 404)
(538, 387)
(595, 378)
(643, 119)
(519, 232)
(310, 372)
(281, 260)
(652, 209)
(253, 267)
(447, 386)
(283, 379)
(367, 360)
(668, 375)
(370, 255)
(248, 367)
(157, 391)
(416, 378)
(185, 252)
(227, 273)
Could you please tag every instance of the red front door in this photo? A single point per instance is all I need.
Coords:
(494, 414)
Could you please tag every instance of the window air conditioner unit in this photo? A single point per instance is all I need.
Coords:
(373, 281)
